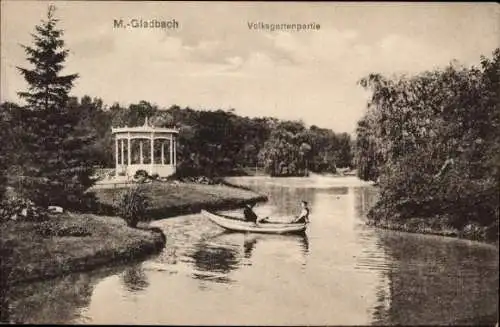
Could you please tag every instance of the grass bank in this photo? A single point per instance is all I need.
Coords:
(168, 199)
(68, 243)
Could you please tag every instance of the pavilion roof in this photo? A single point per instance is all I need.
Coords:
(146, 128)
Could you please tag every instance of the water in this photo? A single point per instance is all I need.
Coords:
(341, 272)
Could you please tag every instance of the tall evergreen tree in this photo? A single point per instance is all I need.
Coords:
(4, 130)
(56, 165)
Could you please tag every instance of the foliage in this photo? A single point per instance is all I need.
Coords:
(4, 151)
(293, 150)
(213, 143)
(219, 143)
(141, 174)
(21, 209)
(132, 205)
(47, 89)
(432, 140)
(53, 154)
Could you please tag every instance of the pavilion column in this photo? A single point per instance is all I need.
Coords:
(171, 150)
(140, 150)
(123, 152)
(152, 154)
(163, 152)
(129, 151)
(116, 156)
(175, 152)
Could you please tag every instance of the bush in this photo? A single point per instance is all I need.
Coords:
(23, 209)
(132, 205)
(141, 174)
(474, 231)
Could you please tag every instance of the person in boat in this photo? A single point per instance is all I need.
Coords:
(249, 214)
(303, 217)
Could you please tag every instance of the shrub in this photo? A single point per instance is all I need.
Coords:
(21, 208)
(132, 205)
(474, 231)
(141, 174)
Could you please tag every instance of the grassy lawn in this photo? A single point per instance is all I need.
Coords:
(69, 242)
(170, 199)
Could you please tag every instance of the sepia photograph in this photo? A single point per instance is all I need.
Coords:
(249, 163)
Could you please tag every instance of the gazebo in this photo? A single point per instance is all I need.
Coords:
(160, 143)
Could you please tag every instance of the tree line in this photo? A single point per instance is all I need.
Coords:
(214, 143)
(432, 142)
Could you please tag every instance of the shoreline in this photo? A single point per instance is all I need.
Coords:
(171, 200)
(425, 229)
(55, 256)
(186, 209)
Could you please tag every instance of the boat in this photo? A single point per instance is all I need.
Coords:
(239, 225)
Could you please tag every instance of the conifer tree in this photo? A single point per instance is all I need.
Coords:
(3, 155)
(56, 165)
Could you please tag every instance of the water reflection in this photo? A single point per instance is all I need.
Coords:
(365, 199)
(304, 240)
(251, 240)
(439, 281)
(249, 246)
(63, 300)
(215, 257)
(55, 301)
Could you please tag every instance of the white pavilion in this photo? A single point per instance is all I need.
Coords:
(148, 148)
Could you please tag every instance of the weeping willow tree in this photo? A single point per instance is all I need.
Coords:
(433, 140)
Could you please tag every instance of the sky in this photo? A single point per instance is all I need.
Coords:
(213, 60)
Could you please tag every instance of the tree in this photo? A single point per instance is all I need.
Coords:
(433, 140)
(367, 158)
(47, 90)
(285, 152)
(56, 163)
(343, 153)
(4, 146)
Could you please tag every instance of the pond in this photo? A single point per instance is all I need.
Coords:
(341, 272)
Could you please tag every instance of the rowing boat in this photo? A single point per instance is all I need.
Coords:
(239, 225)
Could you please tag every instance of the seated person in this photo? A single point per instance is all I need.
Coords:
(303, 217)
(249, 214)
